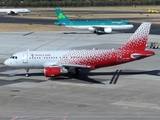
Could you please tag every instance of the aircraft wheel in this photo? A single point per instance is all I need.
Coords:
(27, 70)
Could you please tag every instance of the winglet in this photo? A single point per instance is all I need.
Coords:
(139, 39)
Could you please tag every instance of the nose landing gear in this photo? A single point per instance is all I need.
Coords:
(27, 70)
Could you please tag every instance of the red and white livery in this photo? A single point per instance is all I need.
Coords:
(56, 63)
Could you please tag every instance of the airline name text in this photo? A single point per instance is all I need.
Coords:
(42, 54)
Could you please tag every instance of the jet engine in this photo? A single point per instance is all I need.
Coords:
(12, 13)
(100, 29)
(53, 71)
(108, 30)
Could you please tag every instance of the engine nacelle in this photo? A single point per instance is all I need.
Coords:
(108, 30)
(53, 71)
(16, 13)
(12, 13)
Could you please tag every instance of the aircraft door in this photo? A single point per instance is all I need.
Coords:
(119, 56)
(71, 23)
(123, 26)
(25, 57)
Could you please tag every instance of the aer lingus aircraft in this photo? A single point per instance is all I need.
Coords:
(96, 26)
(56, 63)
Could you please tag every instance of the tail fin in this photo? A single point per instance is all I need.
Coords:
(139, 39)
(61, 16)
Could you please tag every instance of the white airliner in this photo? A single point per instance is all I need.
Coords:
(56, 63)
(13, 11)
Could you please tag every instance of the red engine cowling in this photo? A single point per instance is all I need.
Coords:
(52, 71)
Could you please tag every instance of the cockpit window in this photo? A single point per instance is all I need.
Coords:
(13, 57)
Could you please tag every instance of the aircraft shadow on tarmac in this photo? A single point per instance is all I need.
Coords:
(72, 33)
(84, 76)
(128, 72)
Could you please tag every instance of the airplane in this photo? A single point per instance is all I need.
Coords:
(14, 11)
(96, 26)
(58, 62)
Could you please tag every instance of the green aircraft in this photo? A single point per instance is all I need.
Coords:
(96, 26)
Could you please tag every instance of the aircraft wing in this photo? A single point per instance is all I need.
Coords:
(65, 65)
(75, 66)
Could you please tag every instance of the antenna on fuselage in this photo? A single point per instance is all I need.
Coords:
(95, 49)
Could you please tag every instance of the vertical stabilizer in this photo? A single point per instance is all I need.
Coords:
(139, 39)
(61, 16)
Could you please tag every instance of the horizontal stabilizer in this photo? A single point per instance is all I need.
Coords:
(145, 53)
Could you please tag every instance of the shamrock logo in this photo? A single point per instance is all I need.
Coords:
(61, 16)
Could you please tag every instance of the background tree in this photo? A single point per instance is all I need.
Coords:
(75, 3)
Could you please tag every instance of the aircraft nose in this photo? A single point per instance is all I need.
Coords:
(6, 62)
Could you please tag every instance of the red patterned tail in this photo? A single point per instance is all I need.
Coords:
(139, 39)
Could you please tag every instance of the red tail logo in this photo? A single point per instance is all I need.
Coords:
(139, 39)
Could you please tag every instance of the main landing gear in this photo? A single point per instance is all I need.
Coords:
(27, 70)
(95, 31)
(75, 75)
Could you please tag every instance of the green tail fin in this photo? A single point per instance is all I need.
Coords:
(61, 16)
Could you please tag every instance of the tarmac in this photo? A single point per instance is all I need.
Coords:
(18, 20)
(135, 96)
